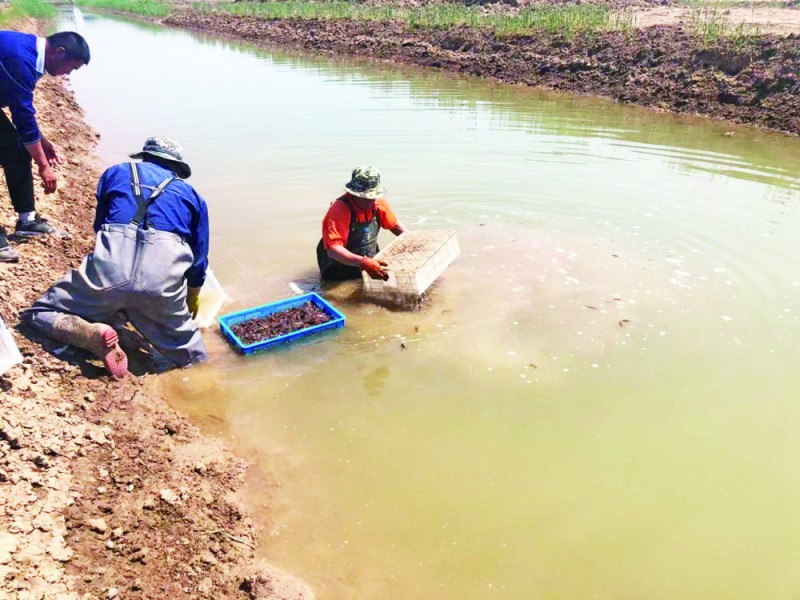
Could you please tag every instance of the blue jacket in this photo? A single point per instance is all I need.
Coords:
(18, 77)
(179, 209)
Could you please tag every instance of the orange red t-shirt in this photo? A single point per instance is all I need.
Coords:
(336, 224)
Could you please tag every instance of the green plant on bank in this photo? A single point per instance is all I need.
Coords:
(37, 9)
(565, 19)
(712, 23)
(623, 20)
(705, 17)
(145, 8)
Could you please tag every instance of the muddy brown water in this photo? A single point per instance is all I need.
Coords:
(599, 399)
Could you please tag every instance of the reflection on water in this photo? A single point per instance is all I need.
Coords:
(599, 398)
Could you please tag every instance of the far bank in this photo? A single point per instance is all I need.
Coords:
(735, 74)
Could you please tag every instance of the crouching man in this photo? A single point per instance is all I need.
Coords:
(149, 261)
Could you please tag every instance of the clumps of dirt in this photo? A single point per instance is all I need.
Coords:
(105, 491)
(280, 323)
(752, 80)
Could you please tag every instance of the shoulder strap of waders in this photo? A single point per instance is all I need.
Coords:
(353, 212)
(346, 201)
(137, 192)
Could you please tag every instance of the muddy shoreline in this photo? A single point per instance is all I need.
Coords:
(751, 81)
(106, 491)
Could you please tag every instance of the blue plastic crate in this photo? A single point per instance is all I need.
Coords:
(227, 321)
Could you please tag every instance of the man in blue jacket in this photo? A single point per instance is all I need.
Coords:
(24, 58)
(149, 261)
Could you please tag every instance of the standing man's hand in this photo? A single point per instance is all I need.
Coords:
(51, 153)
(45, 159)
(193, 300)
(49, 180)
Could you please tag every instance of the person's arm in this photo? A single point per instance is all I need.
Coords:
(387, 218)
(21, 82)
(196, 275)
(50, 152)
(193, 300)
(375, 268)
(335, 231)
(101, 211)
(39, 155)
(343, 255)
(335, 227)
(198, 242)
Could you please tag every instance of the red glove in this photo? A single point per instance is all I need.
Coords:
(375, 268)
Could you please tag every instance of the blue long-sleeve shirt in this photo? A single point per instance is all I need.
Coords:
(18, 77)
(179, 209)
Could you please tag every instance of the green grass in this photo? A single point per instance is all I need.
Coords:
(565, 19)
(145, 8)
(712, 23)
(707, 18)
(37, 9)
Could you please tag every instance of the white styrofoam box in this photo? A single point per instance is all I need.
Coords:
(9, 353)
(416, 259)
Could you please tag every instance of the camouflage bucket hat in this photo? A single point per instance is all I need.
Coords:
(165, 148)
(366, 183)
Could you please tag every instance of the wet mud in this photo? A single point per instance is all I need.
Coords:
(750, 80)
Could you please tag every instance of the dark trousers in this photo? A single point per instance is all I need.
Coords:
(16, 162)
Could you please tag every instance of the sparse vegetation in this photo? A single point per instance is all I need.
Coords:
(707, 18)
(712, 23)
(565, 19)
(37, 9)
(145, 8)
(726, 4)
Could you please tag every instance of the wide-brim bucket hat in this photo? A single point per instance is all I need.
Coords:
(165, 148)
(365, 182)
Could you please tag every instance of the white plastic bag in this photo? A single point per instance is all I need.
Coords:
(9, 353)
(212, 297)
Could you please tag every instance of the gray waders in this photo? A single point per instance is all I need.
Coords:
(134, 269)
(362, 240)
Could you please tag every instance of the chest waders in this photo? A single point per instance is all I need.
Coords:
(136, 269)
(362, 239)
(143, 205)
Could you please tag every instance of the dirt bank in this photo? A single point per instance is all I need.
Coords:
(104, 490)
(751, 80)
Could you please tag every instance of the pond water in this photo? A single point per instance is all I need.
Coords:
(599, 398)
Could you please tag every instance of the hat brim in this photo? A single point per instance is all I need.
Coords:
(182, 170)
(372, 194)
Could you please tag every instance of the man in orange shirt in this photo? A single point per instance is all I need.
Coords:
(350, 229)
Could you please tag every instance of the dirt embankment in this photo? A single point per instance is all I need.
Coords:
(104, 490)
(752, 80)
